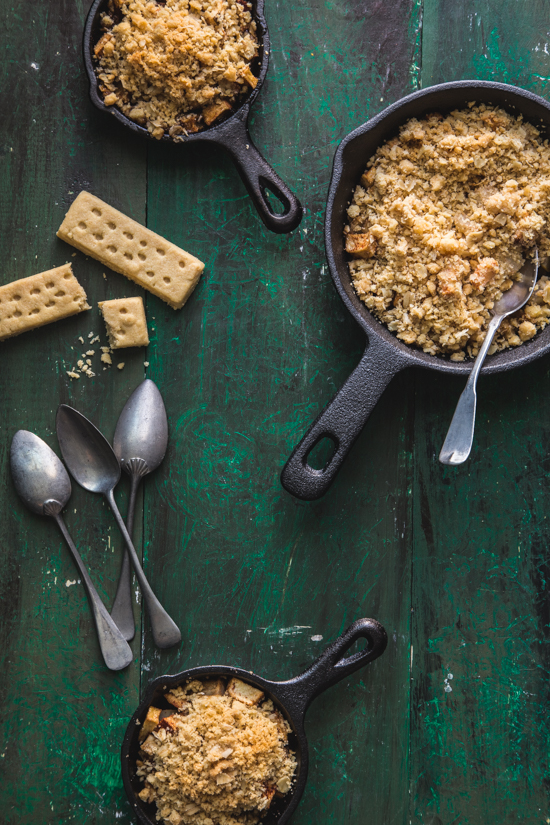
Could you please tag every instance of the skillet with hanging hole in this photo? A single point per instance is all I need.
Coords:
(257, 175)
(385, 355)
(292, 698)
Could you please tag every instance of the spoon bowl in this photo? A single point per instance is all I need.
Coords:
(520, 292)
(142, 429)
(88, 454)
(38, 474)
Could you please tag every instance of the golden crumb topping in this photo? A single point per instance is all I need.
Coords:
(442, 220)
(179, 66)
(215, 760)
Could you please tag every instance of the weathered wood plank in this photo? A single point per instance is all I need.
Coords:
(63, 713)
(264, 342)
(480, 731)
(253, 577)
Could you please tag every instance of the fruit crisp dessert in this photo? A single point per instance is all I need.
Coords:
(218, 757)
(179, 66)
(444, 217)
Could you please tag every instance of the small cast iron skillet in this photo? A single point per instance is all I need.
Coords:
(292, 698)
(232, 134)
(344, 417)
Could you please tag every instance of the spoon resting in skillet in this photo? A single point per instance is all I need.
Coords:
(460, 436)
(385, 355)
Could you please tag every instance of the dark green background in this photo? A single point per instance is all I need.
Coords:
(454, 562)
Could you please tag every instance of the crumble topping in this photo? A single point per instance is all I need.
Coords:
(218, 757)
(179, 66)
(444, 217)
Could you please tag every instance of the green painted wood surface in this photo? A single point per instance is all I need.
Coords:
(453, 562)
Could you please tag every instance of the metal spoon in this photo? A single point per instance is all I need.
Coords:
(460, 436)
(140, 442)
(93, 464)
(44, 485)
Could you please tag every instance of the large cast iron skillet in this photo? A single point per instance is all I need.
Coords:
(232, 134)
(292, 698)
(385, 355)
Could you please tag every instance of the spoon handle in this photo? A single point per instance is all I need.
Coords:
(115, 649)
(460, 435)
(122, 612)
(165, 631)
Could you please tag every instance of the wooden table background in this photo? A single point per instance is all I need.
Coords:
(450, 726)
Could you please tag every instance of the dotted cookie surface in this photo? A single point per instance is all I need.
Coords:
(124, 245)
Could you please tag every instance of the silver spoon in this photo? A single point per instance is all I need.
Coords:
(44, 485)
(93, 464)
(140, 442)
(460, 436)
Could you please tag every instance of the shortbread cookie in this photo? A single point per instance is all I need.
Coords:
(125, 321)
(40, 299)
(126, 246)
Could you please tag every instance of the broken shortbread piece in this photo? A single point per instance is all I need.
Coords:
(243, 692)
(125, 321)
(126, 246)
(40, 299)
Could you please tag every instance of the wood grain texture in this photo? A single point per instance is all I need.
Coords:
(261, 346)
(480, 731)
(450, 726)
(63, 713)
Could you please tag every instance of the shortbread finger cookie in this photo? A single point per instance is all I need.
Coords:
(125, 321)
(40, 299)
(126, 246)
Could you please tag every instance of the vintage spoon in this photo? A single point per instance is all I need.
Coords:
(93, 464)
(44, 485)
(460, 436)
(140, 442)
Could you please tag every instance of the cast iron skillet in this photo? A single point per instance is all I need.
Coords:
(292, 698)
(345, 416)
(232, 134)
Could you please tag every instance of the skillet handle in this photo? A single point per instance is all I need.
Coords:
(258, 177)
(332, 666)
(341, 422)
